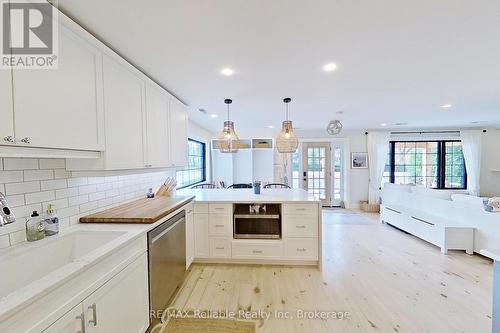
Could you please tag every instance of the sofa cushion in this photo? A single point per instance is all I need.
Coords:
(441, 194)
(468, 199)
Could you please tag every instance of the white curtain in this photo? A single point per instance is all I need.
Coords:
(471, 146)
(378, 147)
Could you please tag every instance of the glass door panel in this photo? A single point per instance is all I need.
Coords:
(317, 175)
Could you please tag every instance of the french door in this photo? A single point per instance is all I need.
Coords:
(316, 161)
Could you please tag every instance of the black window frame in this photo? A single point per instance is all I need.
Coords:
(204, 166)
(441, 163)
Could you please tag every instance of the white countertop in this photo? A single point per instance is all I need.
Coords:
(492, 254)
(247, 195)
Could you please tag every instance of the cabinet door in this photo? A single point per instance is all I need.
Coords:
(6, 111)
(73, 321)
(178, 134)
(123, 109)
(62, 108)
(201, 245)
(157, 127)
(189, 236)
(122, 304)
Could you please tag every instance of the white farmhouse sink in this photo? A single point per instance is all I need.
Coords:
(33, 261)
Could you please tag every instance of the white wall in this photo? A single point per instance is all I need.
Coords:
(490, 180)
(356, 180)
(199, 133)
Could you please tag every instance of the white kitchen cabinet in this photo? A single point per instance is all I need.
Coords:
(178, 134)
(120, 305)
(73, 321)
(124, 113)
(189, 235)
(201, 243)
(6, 110)
(157, 143)
(61, 108)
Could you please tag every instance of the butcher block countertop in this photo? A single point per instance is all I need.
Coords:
(145, 211)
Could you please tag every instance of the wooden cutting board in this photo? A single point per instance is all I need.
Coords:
(140, 211)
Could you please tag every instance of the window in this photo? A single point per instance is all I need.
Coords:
(434, 164)
(295, 170)
(195, 172)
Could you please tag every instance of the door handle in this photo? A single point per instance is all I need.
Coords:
(94, 314)
(82, 323)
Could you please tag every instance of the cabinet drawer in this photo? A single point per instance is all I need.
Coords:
(300, 226)
(220, 209)
(300, 209)
(257, 250)
(201, 208)
(220, 247)
(220, 225)
(301, 249)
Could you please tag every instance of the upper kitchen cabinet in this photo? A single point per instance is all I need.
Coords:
(157, 132)
(61, 108)
(6, 110)
(178, 133)
(124, 105)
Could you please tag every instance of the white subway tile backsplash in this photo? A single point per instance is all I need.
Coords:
(20, 188)
(32, 184)
(66, 192)
(30, 175)
(72, 182)
(57, 204)
(20, 163)
(97, 196)
(15, 200)
(11, 176)
(52, 163)
(88, 206)
(74, 201)
(60, 174)
(55, 184)
(87, 189)
(32, 198)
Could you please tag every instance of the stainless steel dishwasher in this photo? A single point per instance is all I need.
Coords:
(167, 263)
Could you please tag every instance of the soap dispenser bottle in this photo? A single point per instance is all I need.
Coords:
(51, 222)
(35, 228)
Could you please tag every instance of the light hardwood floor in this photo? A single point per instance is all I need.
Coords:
(387, 280)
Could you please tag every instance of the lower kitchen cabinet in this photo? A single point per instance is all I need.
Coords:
(120, 305)
(201, 244)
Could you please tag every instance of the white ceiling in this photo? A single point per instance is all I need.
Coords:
(398, 61)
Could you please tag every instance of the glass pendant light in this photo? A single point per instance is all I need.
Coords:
(228, 139)
(287, 141)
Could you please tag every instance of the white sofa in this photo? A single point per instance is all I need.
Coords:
(448, 219)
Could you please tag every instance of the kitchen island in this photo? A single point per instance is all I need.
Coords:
(226, 229)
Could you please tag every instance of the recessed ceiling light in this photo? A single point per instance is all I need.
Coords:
(383, 124)
(270, 126)
(213, 115)
(227, 71)
(339, 112)
(446, 106)
(330, 67)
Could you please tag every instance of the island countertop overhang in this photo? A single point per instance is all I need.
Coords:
(248, 196)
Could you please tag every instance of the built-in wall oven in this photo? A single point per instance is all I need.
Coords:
(257, 221)
(167, 263)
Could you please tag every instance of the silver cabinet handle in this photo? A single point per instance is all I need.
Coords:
(82, 323)
(26, 140)
(300, 226)
(219, 225)
(257, 251)
(300, 209)
(147, 165)
(301, 250)
(219, 208)
(94, 314)
(9, 139)
(219, 248)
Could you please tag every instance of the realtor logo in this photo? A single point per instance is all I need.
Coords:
(29, 34)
